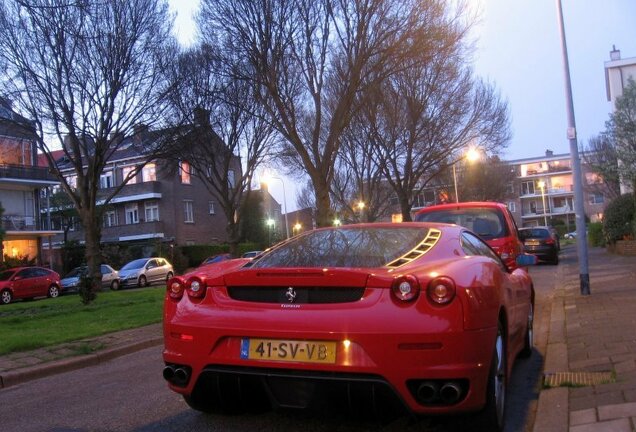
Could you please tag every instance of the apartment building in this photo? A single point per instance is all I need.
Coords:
(166, 202)
(21, 183)
(544, 191)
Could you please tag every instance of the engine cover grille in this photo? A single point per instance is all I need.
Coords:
(301, 295)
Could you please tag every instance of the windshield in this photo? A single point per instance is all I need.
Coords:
(534, 233)
(6, 275)
(488, 223)
(76, 272)
(136, 264)
(344, 247)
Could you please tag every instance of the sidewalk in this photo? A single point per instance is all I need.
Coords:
(591, 352)
(25, 366)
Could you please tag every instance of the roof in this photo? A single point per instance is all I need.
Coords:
(463, 205)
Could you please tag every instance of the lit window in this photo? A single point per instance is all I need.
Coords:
(152, 211)
(128, 172)
(149, 172)
(185, 172)
(72, 181)
(188, 212)
(132, 214)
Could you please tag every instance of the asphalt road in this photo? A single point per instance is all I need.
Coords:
(128, 394)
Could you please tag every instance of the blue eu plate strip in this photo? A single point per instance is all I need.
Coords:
(245, 348)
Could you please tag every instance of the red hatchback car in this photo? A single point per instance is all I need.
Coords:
(416, 318)
(492, 221)
(27, 283)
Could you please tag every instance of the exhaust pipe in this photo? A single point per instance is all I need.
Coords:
(427, 392)
(450, 392)
(168, 373)
(181, 376)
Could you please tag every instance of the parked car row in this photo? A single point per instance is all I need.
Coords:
(31, 282)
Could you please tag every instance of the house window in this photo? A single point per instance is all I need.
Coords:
(185, 172)
(527, 188)
(149, 172)
(132, 214)
(512, 207)
(72, 181)
(188, 213)
(128, 171)
(106, 180)
(595, 198)
(152, 211)
(211, 207)
(110, 218)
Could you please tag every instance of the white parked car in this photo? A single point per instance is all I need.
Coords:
(145, 271)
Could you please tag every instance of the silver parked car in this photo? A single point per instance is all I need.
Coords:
(145, 271)
(71, 282)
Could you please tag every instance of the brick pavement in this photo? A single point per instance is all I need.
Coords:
(592, 334)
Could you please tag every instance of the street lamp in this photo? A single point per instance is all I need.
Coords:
(472, 154)
(296, 228)
(267, 180)
(541, 185)
(361, 208)
(337, 222)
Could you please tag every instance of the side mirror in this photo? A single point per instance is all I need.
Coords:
(524, 260)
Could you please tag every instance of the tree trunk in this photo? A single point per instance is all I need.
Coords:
(405, 208)
(324, 215)
(233, 236)
(93, 282)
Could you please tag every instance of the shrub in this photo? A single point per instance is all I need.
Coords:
(595, 234)
(618, 219)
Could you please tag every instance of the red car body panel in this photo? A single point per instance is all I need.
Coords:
(508, 244)
(29, 287)
(398, 341)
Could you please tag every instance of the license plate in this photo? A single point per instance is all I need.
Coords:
(288, 350)
(533, 243)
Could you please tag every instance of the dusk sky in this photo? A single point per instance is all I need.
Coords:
(518, 49)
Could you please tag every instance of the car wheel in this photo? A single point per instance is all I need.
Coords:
(6, 297)
(53, 292)
(168, 276)
(492, 416)
(529, 339)
(142, 281)
(114, 285)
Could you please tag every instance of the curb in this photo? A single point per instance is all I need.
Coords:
(42, 370)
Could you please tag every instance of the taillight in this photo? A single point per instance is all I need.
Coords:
(196, 287)
(406, 288)
(548, 241)
(176, 286)
(441, 290)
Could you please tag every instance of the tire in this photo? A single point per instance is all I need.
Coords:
(142, 281)
(168, 276)
(53, 291)
(528, 343)
(114, 285)
(6, 297)
(492, 417)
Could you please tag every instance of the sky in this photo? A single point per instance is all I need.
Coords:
(518, 49)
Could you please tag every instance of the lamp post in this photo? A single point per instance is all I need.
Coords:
(577, 176)
(267, 180)
(361, 208)
(541, 185)
(471, 155)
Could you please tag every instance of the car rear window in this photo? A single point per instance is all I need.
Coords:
(533, 233)
(488, 223)
(344, 247)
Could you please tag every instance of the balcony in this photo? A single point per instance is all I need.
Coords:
(135, 192)
(37, 176)
(154, 229)
(15, 222)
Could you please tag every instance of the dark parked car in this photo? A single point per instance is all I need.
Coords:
(27, 283)
(539, 241)
(71, 282)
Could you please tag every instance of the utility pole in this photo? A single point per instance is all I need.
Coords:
(579, 211)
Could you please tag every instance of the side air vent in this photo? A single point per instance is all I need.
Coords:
(429, 241)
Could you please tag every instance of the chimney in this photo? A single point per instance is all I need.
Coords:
(116, 138)
(615, 54)
(201, 117)
(549, 153)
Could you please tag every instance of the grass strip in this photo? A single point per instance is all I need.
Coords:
(46, 322)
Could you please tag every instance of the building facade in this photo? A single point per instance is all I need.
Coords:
(21, 184)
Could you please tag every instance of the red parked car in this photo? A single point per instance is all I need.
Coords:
(27, 283)
(416, 318)
(492, 221)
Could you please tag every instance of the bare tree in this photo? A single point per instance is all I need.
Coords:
(601, 156)
(229, 138)
(313, 60)
(425, 117)
(86, 72)
(488, 179)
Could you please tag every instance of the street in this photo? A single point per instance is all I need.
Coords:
(128, 394)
